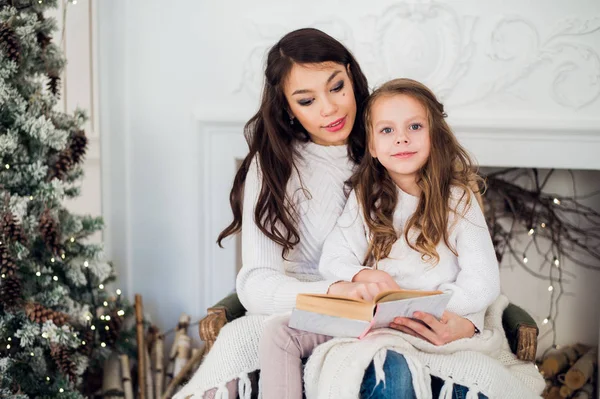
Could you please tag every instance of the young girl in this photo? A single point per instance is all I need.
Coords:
(412, 221)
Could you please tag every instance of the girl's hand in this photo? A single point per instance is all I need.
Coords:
(439, 332)
(366, 291)
(376, 276)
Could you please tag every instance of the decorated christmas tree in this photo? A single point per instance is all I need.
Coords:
(57, 320)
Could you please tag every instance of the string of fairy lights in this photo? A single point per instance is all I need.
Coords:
(514, 212)
(555, 294)
(89, 317)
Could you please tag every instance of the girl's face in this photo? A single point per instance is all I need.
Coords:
(400, 137)
(321, 98)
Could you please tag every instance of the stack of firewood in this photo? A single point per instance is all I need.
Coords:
(570, 372)
(158, 376)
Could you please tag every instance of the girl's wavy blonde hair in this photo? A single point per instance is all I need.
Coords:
(449, 165)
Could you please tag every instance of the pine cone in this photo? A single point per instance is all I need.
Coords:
(54, 84)
(111, 335)
(78, 146)
(62, 165)
(7, 265)
(39, 314)
(13, 230)
(88, 337)
(10, 42)
(50, 233)
(10, 292)
(43, 40)
(62, 358)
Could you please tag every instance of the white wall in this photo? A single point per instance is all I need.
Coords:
(79, 91)
(506, 69)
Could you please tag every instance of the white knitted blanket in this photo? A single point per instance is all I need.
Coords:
(234, 355)
(335, 370)
(484, 364)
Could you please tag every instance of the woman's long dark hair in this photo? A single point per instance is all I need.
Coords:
(271, 137)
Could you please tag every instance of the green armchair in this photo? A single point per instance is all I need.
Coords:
(521, 330)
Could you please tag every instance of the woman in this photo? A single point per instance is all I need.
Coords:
(304, 143)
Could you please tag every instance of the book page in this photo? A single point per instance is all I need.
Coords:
(388, 296)
(433, 304)
(328, 297)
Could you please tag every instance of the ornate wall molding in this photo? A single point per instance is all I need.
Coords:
(575, 80)
(467, 58)
(429, 42)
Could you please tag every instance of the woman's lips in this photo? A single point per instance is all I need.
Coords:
(337, 125)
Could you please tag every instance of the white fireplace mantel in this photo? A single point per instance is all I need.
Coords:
(531, 144)
(559, 144)
(492, 144)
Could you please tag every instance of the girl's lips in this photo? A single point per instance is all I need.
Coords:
(405, 154)
(337, 125)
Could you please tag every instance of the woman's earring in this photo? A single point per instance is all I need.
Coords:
(291, 120)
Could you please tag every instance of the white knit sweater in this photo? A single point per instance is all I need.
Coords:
(267, 283)
(473, 277)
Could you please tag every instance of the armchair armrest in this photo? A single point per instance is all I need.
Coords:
(226, 310)
(521, 332)
(232, 306)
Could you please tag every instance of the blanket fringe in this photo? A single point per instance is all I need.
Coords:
(244, 386)
(378, 362)
(260, 390)
(447, 389)
(421, 377)
(222, 392)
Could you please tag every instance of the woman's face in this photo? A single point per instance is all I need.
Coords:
(321, 98)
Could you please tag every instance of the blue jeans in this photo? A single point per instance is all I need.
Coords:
(400, 386)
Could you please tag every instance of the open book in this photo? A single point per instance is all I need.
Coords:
(347, 317)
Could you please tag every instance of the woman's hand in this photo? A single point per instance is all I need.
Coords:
(439, 332)
(366, 291)
(376, 276)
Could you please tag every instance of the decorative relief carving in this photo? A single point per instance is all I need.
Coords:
(576, 76)
(427, 42)
(431, 42)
